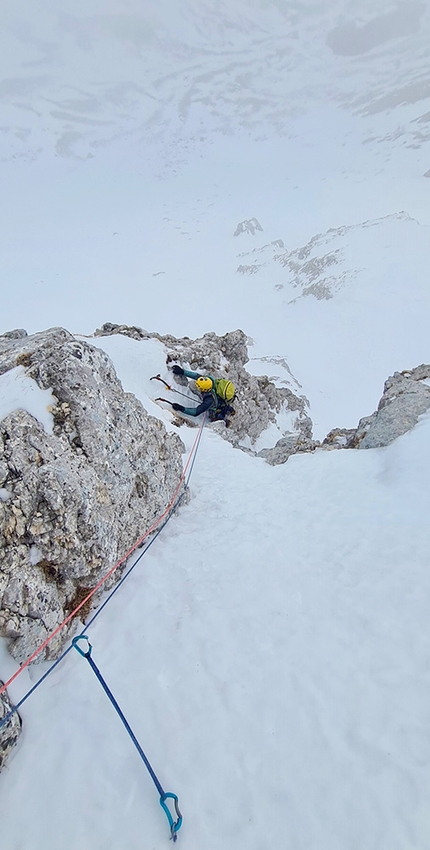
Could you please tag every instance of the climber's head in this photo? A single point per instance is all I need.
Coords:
(204, 384)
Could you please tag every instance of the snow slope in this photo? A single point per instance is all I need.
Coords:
(278, 679)
(279, 685)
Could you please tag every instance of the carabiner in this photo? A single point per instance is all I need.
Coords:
(75, 640)
(174, 825)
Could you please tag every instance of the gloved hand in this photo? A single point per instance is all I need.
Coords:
(177, 406)
(177, 370)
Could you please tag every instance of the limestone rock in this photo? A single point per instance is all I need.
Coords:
(10, 732)
(133, 332)
(339, 438)
(406, 396)
(76, 500)
(250, 225)
(287, 446)
(18, 333)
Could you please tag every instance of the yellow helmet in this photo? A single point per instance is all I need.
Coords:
(204, 384)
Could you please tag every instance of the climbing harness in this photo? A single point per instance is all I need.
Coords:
(174, 825)
(168, 387)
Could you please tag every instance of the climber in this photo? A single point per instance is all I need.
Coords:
(216, 396)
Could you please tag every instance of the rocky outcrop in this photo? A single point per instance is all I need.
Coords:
(10, 731)
(250, 225)
(339, 438)
(259, 402)
(17, 333)
(132, 331)
(406, 397)
(72, 502)
(328, 262)
(287, 446)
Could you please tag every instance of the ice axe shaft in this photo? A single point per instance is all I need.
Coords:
(168, 387)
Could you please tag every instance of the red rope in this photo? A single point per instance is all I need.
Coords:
(109, 573)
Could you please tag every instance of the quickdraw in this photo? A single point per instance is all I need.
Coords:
(174, 825)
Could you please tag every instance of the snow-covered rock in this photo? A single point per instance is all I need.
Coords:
(250, 225)
(261, 407)
(287, 446)
(17, 333)
(330, 261)
(406, 396)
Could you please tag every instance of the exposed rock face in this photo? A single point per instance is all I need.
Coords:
(18, 333)
(250, 225)
(72, 502)
(339, 438)
(287, 446)
(406, 396)
(259, 402)
(133, 332)
(10, 732)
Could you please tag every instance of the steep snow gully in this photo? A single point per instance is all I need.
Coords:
(283, 616)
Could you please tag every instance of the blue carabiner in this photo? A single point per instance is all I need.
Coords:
(174, 825)
(81, 652)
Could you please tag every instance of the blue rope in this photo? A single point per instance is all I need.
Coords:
(173, 510)
(175, 825)
(18, 705)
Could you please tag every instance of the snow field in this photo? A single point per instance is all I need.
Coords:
(269, 655)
